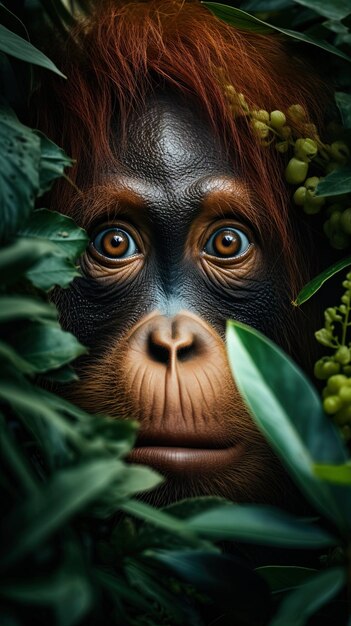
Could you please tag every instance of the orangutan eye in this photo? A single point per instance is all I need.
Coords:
(115, 243)
(227, 242)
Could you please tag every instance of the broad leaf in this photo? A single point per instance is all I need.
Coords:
(297, 608)
(343, 101)
(282, 578)
(19, 307)
(310, 289)
(53, 161)
(288, 411)
(183, 509)
(158, 518)
(65, 495)
(244, 21)
(19, 165)
(47, 346)
(16, 46)
(261, 525)
(336, 183)
(332, 9)
(59, 229)
(53, 271)
(20, 256)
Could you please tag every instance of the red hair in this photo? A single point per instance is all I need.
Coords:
(125, 49)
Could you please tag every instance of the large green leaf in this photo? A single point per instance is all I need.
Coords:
(18, 257)
(332, 9)
(65, 495)
(53, 161)
(19, 167)
(343, 101)
(16, 46)
(261, 525)
(336, 183)
(20, 307)
(59, 229)
(310, 289)
(297, 608)
(282, 578)
(244, 21)
(46, 346)
(288, 411)
(159, 518)
(52, 271)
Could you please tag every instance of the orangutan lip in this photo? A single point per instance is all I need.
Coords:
(186, 460)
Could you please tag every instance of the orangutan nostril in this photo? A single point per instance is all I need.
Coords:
(158, 352)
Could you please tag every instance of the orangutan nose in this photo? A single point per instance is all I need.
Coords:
(172, 340)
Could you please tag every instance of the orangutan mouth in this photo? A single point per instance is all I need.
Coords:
(176, 460)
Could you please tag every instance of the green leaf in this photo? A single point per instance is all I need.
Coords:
(343, 102)
(310, 289)
(332, 9)
(158, 518)
(244, 21)
(340, 474)
(19, 166)
(47, 346)
(18, 257)
(184, 509)
(288, 411)
(62, 375)
(336, 183)
(9, 355)
(52, 271)
(20, 307)
(262, 525)
(16, 46)
(59, 229)
(53, 161)
(66, 494)
(300, 605)
(139, 479)
(282, 578)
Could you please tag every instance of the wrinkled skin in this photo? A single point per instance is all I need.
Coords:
(155, 320)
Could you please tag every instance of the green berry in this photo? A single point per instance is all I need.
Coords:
(347, 370)
(261, 116)
(336, 382)
(342, 355)
(296, 171)
(343, 416)
(297, 113)
(261, 129)
(323, 369)
(345, 221)
(305, 149)
(277, 119)
(339, 151)
(339, 241)
(332, 405)
(299, 196)
(345, 394)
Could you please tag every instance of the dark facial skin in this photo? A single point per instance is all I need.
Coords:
(157, 290)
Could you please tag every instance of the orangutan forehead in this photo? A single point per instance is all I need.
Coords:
(209, 196)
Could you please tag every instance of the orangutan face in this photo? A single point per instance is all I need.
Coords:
(175, 251)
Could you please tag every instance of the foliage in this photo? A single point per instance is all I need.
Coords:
(78, 546)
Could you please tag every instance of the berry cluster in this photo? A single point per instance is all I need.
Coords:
(308, 152)
(336, 369)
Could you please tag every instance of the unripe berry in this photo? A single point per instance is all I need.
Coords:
(261, 115)
(339, 151)
(312, 205)
(334, 219)
(336, 382)
(324, 369)
(285, 132)
(297, 113)
(343, 416)
(261, 129)
(296, 171)
(342, 355)
(347, 371)
(345, 394)
(305, 149)
(299, 196)
(332, 405)
(277, 119)
(345, 221)
(339, 241)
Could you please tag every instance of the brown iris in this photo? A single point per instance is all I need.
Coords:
(114, 243)
(227, 243)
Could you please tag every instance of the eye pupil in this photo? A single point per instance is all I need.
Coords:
(227, 240)
(116, 241)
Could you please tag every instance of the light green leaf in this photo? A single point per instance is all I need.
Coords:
(16, 46)
(288, 411)
(138, 479)
(52, 271)
(66, 494)
(20, 307)
(261, 525)
(343, 102)
(158, 518)
(332, 9)
(19, 166)
(244, 21)
(310, 289)
(59, 229)
(300, 605)
(336, 183)
(282, 578)
(340, 474)
(47, 346)
(53, 161)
